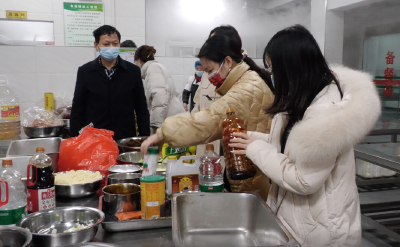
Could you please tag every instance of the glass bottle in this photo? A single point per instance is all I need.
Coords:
(238, 166)
(41, 191)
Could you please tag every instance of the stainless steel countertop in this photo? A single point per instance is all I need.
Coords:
(145, 238)
(383, 154)
(386, 127)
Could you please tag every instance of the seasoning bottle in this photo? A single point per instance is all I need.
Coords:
(238, 166)
(14, 209)
(41, 191)
(210, 177)
(150, 162)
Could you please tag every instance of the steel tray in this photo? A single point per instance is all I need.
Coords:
(111, 223)
(226, 219)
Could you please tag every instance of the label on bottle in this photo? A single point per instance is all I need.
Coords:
(10, 112)
(12, 216)
(185, 182)
(41, 199)
(207, 188)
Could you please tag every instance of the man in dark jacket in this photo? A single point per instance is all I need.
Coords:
(109, 91)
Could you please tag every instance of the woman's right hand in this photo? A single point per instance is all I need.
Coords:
(185, 106)
(150, 141)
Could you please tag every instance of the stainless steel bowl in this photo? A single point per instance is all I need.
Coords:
(43, 132)
(14, 236)
(119, 198)
(77, 190)
(123, 148)
(131, 158)
(118, 178)
(124, 169)
(41, 225)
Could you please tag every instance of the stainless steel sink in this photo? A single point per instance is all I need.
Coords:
(226, 219)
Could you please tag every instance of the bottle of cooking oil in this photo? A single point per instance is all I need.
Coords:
(10, 124)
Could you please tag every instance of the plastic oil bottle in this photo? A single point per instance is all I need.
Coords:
(210, 177)
(15, 209)
(10, 124)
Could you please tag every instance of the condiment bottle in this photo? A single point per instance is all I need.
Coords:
(238, 166)
(14, 209)
(150, 162)
(210, 177)
(41, 191)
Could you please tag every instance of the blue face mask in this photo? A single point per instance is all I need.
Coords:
(199, 73)
(273, 82)
(109, 53)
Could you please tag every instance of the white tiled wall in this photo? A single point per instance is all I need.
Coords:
(33, 70)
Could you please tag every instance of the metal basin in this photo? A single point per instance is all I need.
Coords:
(123, 148)
(118, 178)
(236, 219)
(77, 190)
(119, 198)
(124, 169)
(42, 223)
(130, 158)
(14, 236)
(28, 148)
(44, 132)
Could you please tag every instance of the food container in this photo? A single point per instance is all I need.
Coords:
(117, 178)
(131, 158)
(119, 198)
(14, 236)
(77, 190)
(152, 190)
(43, 132)
(42, 224)
(123, 147)
(124, 169)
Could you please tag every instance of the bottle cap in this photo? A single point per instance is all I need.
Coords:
(230, 110)
(172, 157)
(7, 162)
(153, 150)
(40, 149)
(210, 147)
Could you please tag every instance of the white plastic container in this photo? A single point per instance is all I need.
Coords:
(10, 124)
(181, 176)
(368, 170)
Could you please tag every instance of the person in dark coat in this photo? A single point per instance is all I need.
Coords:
(109, 91)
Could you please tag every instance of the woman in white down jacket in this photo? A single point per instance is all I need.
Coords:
(159, 88)
(320, 113)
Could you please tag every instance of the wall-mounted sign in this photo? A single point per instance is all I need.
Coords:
(16, 14)
(80, 20)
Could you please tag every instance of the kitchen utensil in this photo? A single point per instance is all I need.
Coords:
(131, 158)
(124, 169)
(62, 219)
(117, 178)
(235, 219)
(14, 236)
(43, 132)
(123, 148)
(77, 190)
(111, 223)
(119, 198)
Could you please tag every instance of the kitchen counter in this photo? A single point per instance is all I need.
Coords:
(144, 238)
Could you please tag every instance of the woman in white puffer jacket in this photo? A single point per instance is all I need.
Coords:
(162, 98)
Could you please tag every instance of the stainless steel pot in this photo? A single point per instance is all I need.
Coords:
(14, 236)
(124, 169)
(77, 190)
(42, 132)
(119, 198)
(117, 178)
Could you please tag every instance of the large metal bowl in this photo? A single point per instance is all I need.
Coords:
(77, 190)
(123, 148)
(14, 236)
(131, 158)
(124, 169)
(43, 132)
(41, 225)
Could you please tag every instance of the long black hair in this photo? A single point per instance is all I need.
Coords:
(218, 47)
(299, 69)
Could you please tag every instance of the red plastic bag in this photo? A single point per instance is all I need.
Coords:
(94, 150)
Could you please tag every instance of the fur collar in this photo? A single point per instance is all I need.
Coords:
(329, 128)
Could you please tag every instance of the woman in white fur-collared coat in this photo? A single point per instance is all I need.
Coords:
(309, 154)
